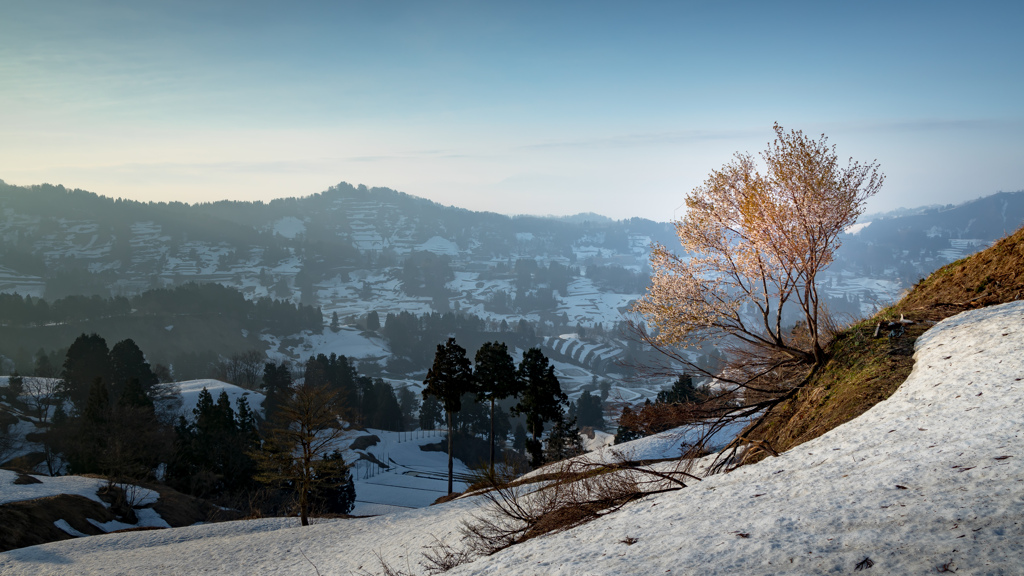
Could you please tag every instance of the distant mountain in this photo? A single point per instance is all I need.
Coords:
(911, 244)
(353, 252)
(375, 255)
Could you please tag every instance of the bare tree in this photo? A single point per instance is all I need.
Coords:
(570, 493)
(42, 399)
(308, 426)
(10, 440)
(243, 369)
(42, 396)
(249, 368)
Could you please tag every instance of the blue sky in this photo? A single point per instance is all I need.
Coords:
(515, 107)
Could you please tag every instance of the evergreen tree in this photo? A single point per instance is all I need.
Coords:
(134, 396)
(127, 363)
(409, 405)
(213, 452)
(136, 442)
(333, 492)
(44, 368)
(519, 438)
(682, 391)
(430, 412)
(373, 321)
(448, 379)
(563, 441)
(385, 413)
(85, 448)
(590, 411)
(15, 386)
(277, 383)
(87, 359)
(495, 374)
(336, 373)
(624, 433)
(540, 399)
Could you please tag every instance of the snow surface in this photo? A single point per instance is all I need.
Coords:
(289, 227)
(76, 485)
(414, 478)
(855, 228)
(52, 486)
(931, 478)
(190, 390)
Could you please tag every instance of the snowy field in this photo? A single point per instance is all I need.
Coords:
(413, 479)
(76, 485)
(190, 390)
(931, 479)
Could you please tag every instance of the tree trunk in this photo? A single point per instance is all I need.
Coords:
(303, 508)
(492, 435)
(450, 462)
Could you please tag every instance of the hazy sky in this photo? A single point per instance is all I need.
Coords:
(515, 107)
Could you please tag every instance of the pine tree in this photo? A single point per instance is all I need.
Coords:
(624, 432)
(563, 441)
(448, 379)
(495, 374)
(127, 363)
(682, 391)
(540, 399)
(430, 412)
(87, 359)
(373, 321)
(277, 382)
(334, 491)
(90, 439)
(590, 411)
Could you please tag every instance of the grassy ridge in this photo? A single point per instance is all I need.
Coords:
(864, 370)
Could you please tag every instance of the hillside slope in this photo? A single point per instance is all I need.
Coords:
(864, 370)
(926, 480)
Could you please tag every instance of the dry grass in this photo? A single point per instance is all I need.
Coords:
(863, 370)
(30, 522)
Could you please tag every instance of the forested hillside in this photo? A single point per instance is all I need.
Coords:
(391, 274)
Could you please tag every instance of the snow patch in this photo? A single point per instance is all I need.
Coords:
(289, 227)
(855, 228)
(63, 525)
(190, 390)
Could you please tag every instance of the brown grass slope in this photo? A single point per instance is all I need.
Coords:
(863, 370)
(31, 522)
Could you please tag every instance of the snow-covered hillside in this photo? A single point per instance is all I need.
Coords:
(930, 479)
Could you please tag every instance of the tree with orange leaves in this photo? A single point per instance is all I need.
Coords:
(756, 237)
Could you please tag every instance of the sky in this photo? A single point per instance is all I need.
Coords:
(513, 107)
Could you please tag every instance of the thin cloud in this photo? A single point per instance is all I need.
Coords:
(929, 125)
(671, 138)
